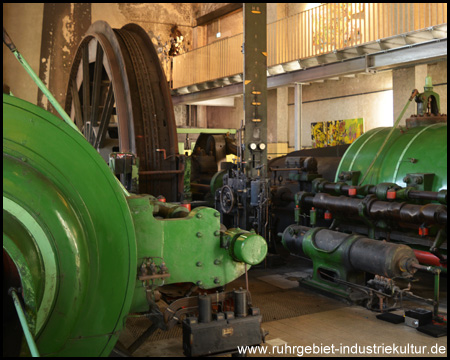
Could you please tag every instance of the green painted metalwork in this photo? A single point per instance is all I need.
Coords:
(249, 248)
(428, 96)
(192, 249)
(62, 183)
(80, 245)
(415, 150)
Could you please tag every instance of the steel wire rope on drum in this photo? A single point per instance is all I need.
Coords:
(142, 102)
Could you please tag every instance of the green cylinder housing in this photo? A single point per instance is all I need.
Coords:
(419, 151)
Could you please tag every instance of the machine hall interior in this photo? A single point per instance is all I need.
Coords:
(224, 179)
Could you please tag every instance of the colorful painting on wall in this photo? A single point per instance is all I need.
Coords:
(336, 132)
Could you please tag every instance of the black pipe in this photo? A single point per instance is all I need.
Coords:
(240, 303)
(412, 194)
(377, 209)
(204, 309)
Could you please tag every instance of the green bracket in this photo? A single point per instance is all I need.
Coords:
(362, 208)
(350, 177)
(420, 181)
(193, 248)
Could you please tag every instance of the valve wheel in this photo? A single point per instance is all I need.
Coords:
(227, 199)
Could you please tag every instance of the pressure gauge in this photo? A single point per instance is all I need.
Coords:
(252, 146)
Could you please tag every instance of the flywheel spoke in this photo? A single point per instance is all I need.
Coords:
(86, 85)
(105, 118)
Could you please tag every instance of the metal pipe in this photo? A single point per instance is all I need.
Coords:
(436, 292)
(377, 209)
(412, 194)
(23, 321)
(160, 172)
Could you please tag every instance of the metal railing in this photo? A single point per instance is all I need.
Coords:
(314, 32)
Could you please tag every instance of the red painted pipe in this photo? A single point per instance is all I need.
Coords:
(428, 258)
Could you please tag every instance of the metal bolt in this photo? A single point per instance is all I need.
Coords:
(217, 262)
(216, 214)
(199, 283)
(199, 234)
(199, 263)
(216, 281)
(199, 215)
(418, 180)
(348, 177)
(217, 233)
(406, 179)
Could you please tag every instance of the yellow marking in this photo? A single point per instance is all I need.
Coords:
(256, 103)
(247, 82)
(256, 120)
(264, 53)
(256, 92)
(256, 12)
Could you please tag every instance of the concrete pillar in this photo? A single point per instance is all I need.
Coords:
(404, 81)
(16, 18)
(63, 27)
(282, 115)
(202, 118)
(298, 116)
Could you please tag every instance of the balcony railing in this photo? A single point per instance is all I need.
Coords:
(321, 30)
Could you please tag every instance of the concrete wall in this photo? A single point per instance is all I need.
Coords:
(224, 117)
(228, 25)
(50, 53)
(16, 18)
(363, 96)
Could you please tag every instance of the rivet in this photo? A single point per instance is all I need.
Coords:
(217, 262)
(216, 214)
(199, 215)
(199, 283)
(199, 234)
(199, 263)
(216, 281)
(217, 233)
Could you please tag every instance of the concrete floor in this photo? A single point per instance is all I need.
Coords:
(325, 324)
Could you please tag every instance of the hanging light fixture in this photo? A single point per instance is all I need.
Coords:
(218, 34)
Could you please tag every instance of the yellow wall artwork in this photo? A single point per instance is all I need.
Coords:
(336, 132)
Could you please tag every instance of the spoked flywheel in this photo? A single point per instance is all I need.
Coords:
(119, 98)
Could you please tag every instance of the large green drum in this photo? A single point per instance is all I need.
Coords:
(67, 234)
(421, 149)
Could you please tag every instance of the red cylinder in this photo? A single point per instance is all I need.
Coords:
(187, 206)
(428, 258)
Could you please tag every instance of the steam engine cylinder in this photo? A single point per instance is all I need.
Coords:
(354, 252)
